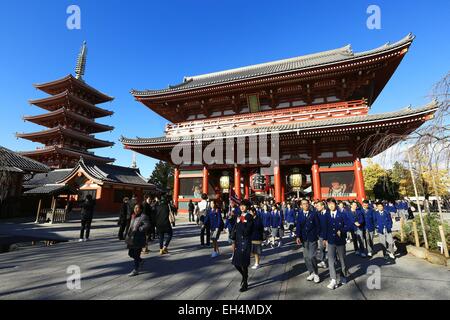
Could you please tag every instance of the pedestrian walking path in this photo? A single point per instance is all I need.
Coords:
(189, 272)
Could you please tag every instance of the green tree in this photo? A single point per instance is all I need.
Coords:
(162, 176)
(372, 174)
(401, 176)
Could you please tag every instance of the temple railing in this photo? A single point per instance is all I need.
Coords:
(272, 117)
(48, 215)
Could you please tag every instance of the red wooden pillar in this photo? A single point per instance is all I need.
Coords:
(205, 180)
(237, 182)
(283, 187)
(359, 180)
(316, 181)
(176, 186)
(315, 174)
(277, 182)
(247, 186)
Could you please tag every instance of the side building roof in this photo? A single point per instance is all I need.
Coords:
(12, 161)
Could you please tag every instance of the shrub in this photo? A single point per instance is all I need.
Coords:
(432, 223)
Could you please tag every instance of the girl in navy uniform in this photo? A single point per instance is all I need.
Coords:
(266, 216)
(214, 220)
(257, 236)
(242, 236)
(276, 224)
(383, 220)
(290, 215)
(307, 231)
(335, 240)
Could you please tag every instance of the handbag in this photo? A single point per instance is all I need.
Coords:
(129, 240)
(171, 216)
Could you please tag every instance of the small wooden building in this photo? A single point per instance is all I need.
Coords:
(14, 171)
(108, 184)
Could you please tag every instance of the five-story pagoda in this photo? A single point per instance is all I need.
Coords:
(71, 121)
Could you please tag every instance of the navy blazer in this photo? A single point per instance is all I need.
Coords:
(358, 216)
(382, 221)
(369, 219)
(323, 223)
(339, 223)
(308, 228)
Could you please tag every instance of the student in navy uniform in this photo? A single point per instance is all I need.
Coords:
(390, 207)
(276, 224)
(233, 213)
(335, 241)
(215, 223)
(242, 236)
(266, 215)
(356, 218)
(322, 213)
(290, 214)
(383, 225)
(308, 227)
(257, 236)
(369, 226)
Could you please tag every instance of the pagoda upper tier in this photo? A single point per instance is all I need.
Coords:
(70, 101)
(75, 86)
(315, 79)
(70, 121)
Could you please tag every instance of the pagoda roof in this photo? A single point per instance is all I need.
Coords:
(298, 126)
(15, 162)
(67, 152)
(44, 134)
(101, 173)
(64, 112)
(68, 99)
(279, 67)
(69, 81)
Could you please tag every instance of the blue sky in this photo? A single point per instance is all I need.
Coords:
(150, 44)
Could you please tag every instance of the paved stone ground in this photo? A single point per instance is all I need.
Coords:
(189, 272)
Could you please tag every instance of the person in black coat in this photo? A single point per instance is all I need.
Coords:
(242, 236)
(87, 214)
(164, 215)
(124, 219)
(191, 209)
(136, 238)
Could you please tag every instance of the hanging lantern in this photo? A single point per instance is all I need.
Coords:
(258, 182)
(224, 182)
(296, 180)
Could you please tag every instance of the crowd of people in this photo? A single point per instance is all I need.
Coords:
(142, 223)
(322, 228)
